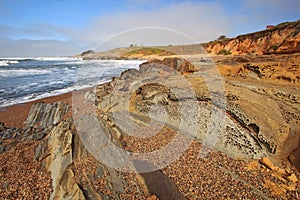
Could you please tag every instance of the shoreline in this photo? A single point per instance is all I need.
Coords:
(15, 115)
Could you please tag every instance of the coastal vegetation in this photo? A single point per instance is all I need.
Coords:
(224, 52)
(148, 51)
(87, 52)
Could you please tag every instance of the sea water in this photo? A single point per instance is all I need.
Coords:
(27, 79)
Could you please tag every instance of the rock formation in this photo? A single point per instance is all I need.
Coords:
(281, 39)
(170, 130)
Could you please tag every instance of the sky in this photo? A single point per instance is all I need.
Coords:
(33, 28)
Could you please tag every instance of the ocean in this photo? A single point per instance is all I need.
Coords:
(27, 79)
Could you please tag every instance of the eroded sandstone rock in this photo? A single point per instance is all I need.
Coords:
(177, 64)
(280, 39)
(253, 124)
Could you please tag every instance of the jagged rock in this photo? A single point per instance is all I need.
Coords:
(45, 115)
(58, 157)
(4, 148)
(68, 188)
(10, 136)
(129, 73)
(41, 151)
(41, 119)
(2, 126)
(62, 150)
(293, 178)
(177, 64)
(268, 163)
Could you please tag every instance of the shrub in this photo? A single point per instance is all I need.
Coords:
(224, 52)
(222, 37)
(296, 32)
(87, 52)
(283, 24)
(274, 47)
(149, 51)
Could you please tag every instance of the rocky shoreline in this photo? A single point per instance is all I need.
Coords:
(231, 137)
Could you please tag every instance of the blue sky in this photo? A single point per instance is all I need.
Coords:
(67, 27)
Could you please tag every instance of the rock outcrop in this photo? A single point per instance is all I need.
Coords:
(253, 128)
(41, 119)
(281, 39)
(75, 174)
(170, 130)
(280, 69)
(177, 64)
(248, 121)
(243, 133)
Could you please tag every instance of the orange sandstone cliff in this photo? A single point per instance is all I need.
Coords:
(281, 39)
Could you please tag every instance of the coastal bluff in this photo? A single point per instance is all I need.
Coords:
(281, 39)
(233, 134)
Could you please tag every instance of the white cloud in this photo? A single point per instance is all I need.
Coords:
(200, 21)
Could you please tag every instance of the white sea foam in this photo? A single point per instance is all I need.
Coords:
(57, 58)
(8, 62)
(4, 63)
(23, 72)
(13, 62)
(16, 58)
(22, 85)
(33, 97)
(39, 58)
